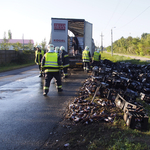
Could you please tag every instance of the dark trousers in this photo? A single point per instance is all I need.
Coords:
(95, 63)
(48, 78)
(65, 71)
(86, 66)
(40, 69)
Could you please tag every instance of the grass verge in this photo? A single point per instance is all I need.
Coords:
(117, 58)
(11, 66)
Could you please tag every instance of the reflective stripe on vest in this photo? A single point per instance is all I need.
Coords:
(67, 65)
(51, 60)
(66, 55)
(51, 64)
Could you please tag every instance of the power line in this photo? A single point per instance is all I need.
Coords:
(112, 14)
(136, 17)
(124, 11)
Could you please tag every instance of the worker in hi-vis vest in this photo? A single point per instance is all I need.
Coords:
(38, 57)
(86, 58)
(51, 65)
(96, 58)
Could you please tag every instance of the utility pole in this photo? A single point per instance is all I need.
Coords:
(112, 41)
(101, 42)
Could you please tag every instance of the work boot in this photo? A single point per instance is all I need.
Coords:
(41, 75)
(65, 76)
(60, 89)
(44, 94)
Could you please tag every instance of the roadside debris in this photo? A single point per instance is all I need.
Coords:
(113, 86)
(66, 145)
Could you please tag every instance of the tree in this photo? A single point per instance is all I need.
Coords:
(43, 44)
(144, 35)
(17, 46)
(9, 34)
(30, 45)
(5, 45)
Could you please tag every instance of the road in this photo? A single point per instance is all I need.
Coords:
(26, 116)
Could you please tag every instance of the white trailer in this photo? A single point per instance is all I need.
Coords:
(60, 36)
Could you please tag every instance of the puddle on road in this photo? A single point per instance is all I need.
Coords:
(10, 90)
(21, 85)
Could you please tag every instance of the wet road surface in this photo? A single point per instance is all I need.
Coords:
(26, 116)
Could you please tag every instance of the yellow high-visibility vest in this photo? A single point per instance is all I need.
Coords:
(51, 62)
(85, 56)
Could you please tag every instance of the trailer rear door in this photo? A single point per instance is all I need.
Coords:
(59, 33)
(88, 35)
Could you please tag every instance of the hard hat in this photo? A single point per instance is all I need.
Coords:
(62, 48)
(87, 48)
(38, 46)
(56, 49)
(97, 50)
(50, 48)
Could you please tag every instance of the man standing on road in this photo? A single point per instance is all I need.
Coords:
(38, 57)
(86, 58)
(51, 65)
(65, 61)
(96, 58)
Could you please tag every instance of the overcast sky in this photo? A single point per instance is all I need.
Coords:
(33, 17)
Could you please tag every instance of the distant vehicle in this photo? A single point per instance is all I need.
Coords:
(61, 28)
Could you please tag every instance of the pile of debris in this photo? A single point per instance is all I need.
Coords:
(114, 86)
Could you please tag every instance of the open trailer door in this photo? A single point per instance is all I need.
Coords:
(88, 35)
(59, 32)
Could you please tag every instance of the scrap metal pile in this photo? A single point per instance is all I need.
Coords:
(111, 87)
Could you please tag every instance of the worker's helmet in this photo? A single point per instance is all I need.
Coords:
(38, 46)
(97, 50)
(87, 48)
(56, 49)
(50, 48)
(62, 48)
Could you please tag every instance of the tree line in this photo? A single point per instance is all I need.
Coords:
(137, 46)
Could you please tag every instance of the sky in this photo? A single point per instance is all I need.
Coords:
(32, 18)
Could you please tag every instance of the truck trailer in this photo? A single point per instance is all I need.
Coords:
(62, 32)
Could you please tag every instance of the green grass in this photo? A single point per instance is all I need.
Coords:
(117, 58)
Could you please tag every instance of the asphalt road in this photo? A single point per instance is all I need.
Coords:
(26, 116)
